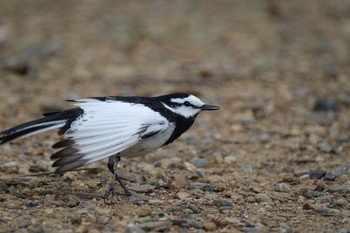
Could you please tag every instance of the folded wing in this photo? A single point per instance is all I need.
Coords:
(105, 129)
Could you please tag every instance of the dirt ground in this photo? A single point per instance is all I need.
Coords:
(275, 158)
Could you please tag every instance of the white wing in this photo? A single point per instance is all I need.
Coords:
(105, 129)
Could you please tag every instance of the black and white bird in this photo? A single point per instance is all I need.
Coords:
(113, 127)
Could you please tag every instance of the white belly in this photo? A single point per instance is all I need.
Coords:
(149, 144)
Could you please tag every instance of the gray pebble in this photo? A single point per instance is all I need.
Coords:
(317, 174)
(319, 187)
(339, 188)
(156, 226)
(199, 162)
(8, 164)
(132, 228)
(248, 229)
(198, 172)
(144, 188)
(4, 188)
(57, 203)
(25, 223)
(197, 185)
(325, 211)
(326, 105)
(282, 187)
(251, 199)
(262, 197)
(103, 219)
(342, 170)
(223, 203)
(247, 169)
(30, 203)
(329, 176)
(325, 147)
(76, 220)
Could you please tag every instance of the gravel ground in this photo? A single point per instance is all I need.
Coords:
(275, 158)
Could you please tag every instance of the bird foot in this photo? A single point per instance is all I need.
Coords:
(110, 191)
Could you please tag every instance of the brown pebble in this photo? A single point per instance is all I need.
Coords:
(209, 226)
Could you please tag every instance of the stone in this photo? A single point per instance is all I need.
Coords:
(102, 219)
(223, 203)
(329, 176)
(156, 226)
(317, 174)
(326, 105)
(199, 162)
(262, 197)
(30, 203)
(339, 188)
(282, 187)
(342, 170)
(132, 228)
(197, 185)
(144, 188)
(209, 226)
(319, 187)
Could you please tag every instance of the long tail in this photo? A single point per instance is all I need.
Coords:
(60, 120)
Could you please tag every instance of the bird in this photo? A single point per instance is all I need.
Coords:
(113, 127)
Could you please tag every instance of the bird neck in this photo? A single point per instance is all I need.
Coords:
(181, 125)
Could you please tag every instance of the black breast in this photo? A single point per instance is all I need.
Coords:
(181, 125)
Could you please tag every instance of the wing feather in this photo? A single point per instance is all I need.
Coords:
(105, 129)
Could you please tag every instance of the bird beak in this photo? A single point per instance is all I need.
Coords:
(207, 107)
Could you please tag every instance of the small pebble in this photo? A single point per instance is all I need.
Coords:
(317, 174)
(144, 188)
(247, 169)
(182, 195)
(30, 203)
(319, 187)
(156, 226)
(325, 211)
(282, 187)
(156, 202)
(262, 197)
(325, 147)
(222, 202)
(132, 228)
(209, 226)
(197, 185)
(25, 223)
(4, 188)
(198, 173)
(57, 203)
(143, 211)
(34, 183)
(230, 159)
(199, 162)
(340, 188)
(102, 219)
(69, 176)
(342, 170)
(76, 220)
(326, 105)
(329, 176)
(72, 201)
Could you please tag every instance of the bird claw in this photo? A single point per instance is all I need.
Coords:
(111, 191)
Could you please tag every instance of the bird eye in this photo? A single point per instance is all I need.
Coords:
(187, 104)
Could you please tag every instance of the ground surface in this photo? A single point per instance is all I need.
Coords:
(274, 158)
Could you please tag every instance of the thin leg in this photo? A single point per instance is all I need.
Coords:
(112, 166)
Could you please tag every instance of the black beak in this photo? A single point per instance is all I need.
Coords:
(207, 107)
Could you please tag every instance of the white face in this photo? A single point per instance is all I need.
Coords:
(187, 107)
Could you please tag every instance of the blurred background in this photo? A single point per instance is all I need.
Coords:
(278, 69)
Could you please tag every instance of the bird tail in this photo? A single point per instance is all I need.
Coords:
(55, 120)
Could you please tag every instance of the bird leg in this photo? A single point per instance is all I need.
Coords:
(112, 166)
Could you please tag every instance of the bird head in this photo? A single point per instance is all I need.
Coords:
(186, 105)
